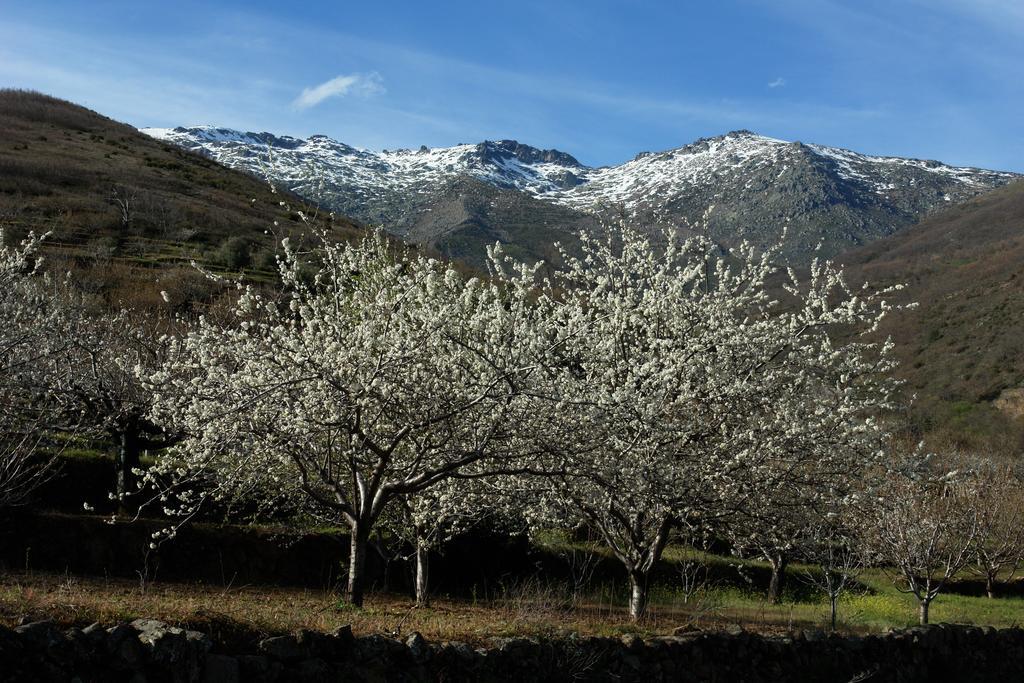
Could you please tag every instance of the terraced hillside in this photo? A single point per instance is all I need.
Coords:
(124, 208)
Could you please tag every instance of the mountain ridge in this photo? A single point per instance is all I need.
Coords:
(828, 199)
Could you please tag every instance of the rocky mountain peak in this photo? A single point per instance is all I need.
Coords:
(825, 195)
(503, 149)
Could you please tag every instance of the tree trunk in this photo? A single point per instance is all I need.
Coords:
(833, 599)
(990, 584)
(638, 595)
(778, 582)
(126, 462)
(358, 540)
(923, 612)
(422, 572)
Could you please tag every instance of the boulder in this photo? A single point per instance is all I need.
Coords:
(419, 648)
(284, 648)
(43, 636)
(310, 671)
(258, 668)
(124, 650)
(178, 654)
(221, 669)
(686, 629)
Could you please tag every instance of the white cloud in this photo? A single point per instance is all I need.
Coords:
(777, 83)
(362, 85)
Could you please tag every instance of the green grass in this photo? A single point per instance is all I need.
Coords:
(874, 605)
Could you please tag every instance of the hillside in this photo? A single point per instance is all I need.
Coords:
(65, 169)
(467, 215)
(120, 203)
(824, 196)
(962, 350)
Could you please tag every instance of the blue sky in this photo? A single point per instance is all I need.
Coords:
(602, 80)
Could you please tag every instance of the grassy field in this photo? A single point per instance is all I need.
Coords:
(532, 606)
(579, 588)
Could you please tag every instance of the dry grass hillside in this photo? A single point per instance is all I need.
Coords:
(124, 208)
(962, 349)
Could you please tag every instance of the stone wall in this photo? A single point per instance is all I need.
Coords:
(148, 650)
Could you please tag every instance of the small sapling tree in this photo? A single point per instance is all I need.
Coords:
(837, 553)
(426, 520)
(924, 529)
(996, 493)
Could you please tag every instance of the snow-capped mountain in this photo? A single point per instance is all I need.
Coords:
(505, 164)
(737, 186)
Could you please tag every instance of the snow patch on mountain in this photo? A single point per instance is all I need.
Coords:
(546, 174)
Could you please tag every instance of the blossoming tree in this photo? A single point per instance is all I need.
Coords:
(680, 387)
(91, 376)
(426, 520)
(374, 376)
(25, 419)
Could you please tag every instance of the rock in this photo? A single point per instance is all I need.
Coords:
(199, 640)
(515, 646)
(631, 662)
(457, 650)
(285, 648)
(686, 630)
(311, 671)
(632, 641)
(734, 630)
(83, 647)
(172, 649)
(674, 640)
(45, 637)
(116, 634)
(316, 644)
(378, 648)
(258, 669)
(95, 634)
(418, 647)
(12, 649)
(344, 634)
(150, 651)
(221, 669)
(814, 635)
(124, 649)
